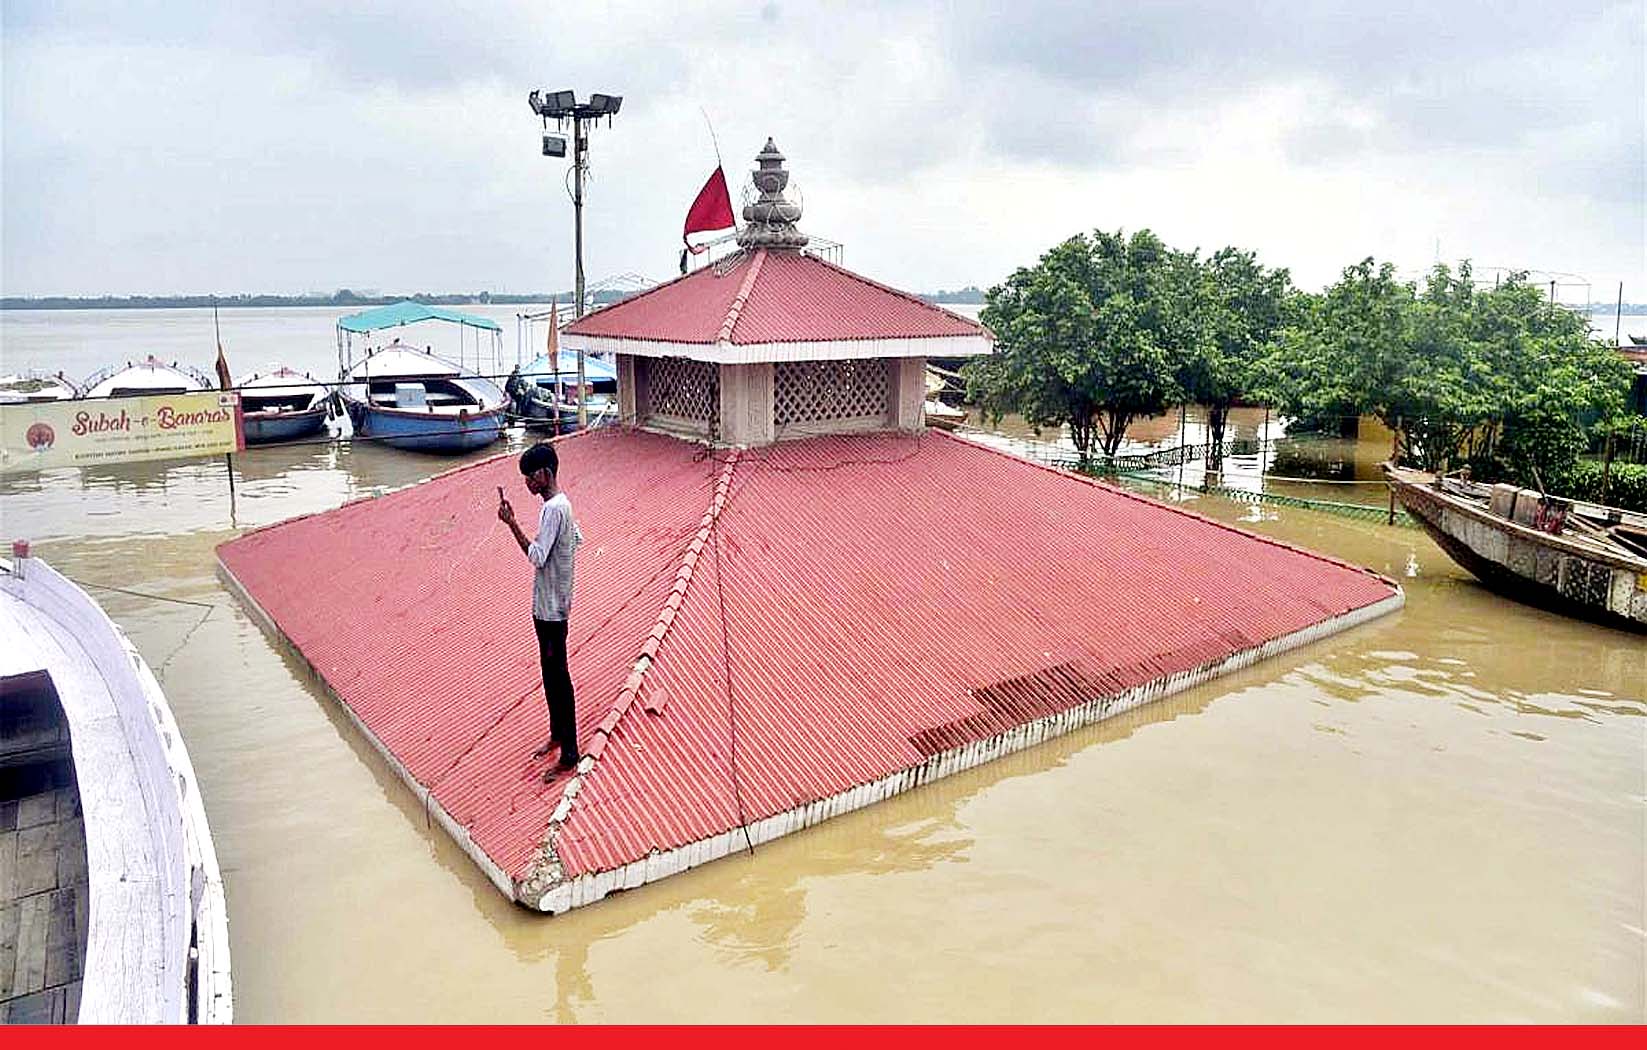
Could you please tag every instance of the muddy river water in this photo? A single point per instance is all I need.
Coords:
(1439, 816)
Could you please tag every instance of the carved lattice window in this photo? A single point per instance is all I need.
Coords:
(814, 392)
(684, 389)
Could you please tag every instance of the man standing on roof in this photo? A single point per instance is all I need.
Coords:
(551, 557)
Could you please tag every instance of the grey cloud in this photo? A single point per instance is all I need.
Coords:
(228, 113)
(1438, 74)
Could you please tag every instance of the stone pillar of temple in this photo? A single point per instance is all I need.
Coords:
(908, 393)
(629, 400)
(746, 404)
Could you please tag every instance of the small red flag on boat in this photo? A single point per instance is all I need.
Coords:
(711, 210)
(224, 381)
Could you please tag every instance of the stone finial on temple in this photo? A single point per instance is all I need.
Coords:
(770, 221)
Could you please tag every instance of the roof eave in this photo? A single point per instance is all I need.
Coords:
(729, 353)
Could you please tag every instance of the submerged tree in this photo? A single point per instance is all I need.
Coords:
(1496, 377)
(1088, 337)
(1241, 308)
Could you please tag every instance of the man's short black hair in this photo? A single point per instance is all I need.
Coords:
(539, 457)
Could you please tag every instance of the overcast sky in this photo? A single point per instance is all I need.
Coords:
(298, 146)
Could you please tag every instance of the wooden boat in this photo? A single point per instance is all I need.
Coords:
(414, 400)
(1578, 558)
(146, 377)
(282, 404)
(97, 775)
(34, 387)
(942, 416)
(937, 413)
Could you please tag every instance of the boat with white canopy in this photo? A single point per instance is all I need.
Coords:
(282, 404)
(146, 378)
(34, 386)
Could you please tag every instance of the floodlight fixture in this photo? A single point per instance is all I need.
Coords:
(561, 106)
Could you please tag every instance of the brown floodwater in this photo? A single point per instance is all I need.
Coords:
(1439, 816)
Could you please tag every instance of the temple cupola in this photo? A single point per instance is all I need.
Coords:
(771, 342)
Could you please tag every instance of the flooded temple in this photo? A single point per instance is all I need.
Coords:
(793, 599)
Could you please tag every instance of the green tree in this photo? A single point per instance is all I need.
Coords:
(1551, 384)
(1496, 377)
(1348, 352)
(1087, 338)
(1241, 307)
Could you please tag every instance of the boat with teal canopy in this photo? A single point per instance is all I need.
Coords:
(408, 312)
(410, 397)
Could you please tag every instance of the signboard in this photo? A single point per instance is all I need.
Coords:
(36, 435)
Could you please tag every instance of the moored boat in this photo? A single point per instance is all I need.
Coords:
(944, 417)
(546, 392)
(552, 381)
(282, 404)
(1581, 559)
(101, 783)
(413, 399)
(144, 378)
(935, 412)
(32, 386)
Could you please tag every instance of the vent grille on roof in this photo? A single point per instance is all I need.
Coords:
(819, 391)
(684, 389)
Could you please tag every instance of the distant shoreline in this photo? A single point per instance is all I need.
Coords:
(344, 301)
(350, 300)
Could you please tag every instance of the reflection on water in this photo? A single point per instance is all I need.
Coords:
(1437, 816)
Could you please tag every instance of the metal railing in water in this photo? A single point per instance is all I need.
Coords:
(1136, 469)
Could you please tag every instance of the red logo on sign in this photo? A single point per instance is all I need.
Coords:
(40, 437)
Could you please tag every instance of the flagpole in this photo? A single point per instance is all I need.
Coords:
(222, 380)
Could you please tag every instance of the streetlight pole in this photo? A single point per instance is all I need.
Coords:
(561, 106)
(580, 146)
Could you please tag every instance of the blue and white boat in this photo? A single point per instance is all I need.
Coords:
(281, 404)
(551, 380)
(411, 398)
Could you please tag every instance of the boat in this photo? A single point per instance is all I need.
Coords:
(942, 416)
(938, 414)
(1569, 556)
(33, 387)
(544, 392)
(145, 378)
(282, 404)
(550, 384)
(96, 773)
(413, 399)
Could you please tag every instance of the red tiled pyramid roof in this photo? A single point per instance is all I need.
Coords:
(893, 604)
(772, 296)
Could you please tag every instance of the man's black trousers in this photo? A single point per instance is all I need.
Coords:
(557, 687)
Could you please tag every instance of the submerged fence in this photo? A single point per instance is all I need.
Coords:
(1136, 469)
